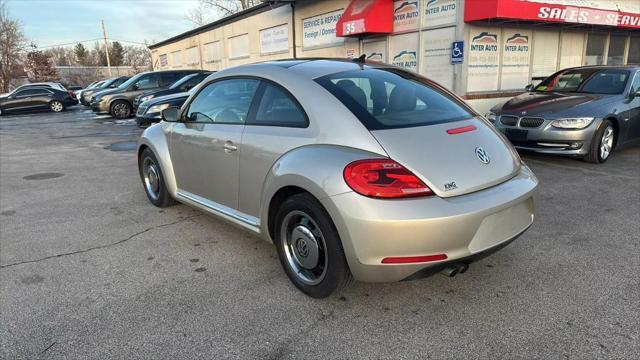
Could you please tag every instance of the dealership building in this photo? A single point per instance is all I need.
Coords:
(484, 50)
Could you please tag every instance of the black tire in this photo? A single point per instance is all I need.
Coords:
(161, 196)
(120, 109)
(56, 106)
(334, 267)
(595, 154)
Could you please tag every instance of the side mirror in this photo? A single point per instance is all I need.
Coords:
(170, 114)
(635, 95)
(529, 87)
(135, 87)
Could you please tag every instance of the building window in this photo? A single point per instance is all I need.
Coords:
(545, 52)
(176, 58)
(213, 51)
(192, 56)
(571, 49)
(634, 50)
(239, 46)
(595, 49)
(164, 62)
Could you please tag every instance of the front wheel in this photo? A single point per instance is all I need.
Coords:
(153, 179)
(602, 143)
(56, 106)
(309, 247)
(120, 109)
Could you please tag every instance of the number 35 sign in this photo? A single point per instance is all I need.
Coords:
(353, 27)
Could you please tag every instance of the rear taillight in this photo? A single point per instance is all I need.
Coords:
(383, 178)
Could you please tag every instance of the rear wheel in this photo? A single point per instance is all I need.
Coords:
(56, 106)
(602, 143)
(309, 247)
(120, 109)
(153, 180)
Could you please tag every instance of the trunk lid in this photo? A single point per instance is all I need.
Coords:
(451, 164)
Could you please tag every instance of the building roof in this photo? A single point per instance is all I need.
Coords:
(218, 23)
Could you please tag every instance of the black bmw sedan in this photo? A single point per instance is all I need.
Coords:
(37, 99)
(184, 84)
(149, 112)
(584, 112)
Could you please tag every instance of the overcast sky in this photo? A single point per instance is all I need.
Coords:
(51, 22)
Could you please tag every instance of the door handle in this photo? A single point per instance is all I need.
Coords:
(229, 147)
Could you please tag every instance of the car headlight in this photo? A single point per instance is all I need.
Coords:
(491, 117)
(157, 108)
(145, 98)
(572, 123)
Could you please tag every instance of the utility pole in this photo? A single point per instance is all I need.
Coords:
(106, 47)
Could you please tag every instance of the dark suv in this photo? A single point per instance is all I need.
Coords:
(85, 97)
(119, 102)
(183, 85)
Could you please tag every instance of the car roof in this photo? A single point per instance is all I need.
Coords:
(606, 67)
(312, 68)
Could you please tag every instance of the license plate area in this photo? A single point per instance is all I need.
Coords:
(516, 134)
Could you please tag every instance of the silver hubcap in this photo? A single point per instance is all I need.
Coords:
(151, 178)
(56, 106)
(606, 144)
(304, 247)
(121, 110)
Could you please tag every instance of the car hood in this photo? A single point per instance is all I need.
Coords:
(158, 93)
(546, 104)
(167, 99)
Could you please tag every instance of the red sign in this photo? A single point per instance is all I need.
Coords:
(366, 17)
(541, 11)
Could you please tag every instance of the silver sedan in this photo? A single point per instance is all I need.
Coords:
(352, 170)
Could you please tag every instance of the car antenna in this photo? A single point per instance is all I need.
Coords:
(360, 60)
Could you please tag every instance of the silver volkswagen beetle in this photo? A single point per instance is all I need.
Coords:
(353, 170)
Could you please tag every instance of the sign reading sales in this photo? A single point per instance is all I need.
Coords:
(547, 10)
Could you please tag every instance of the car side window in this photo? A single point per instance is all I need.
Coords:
(223, 102)
(25, 93)
(278, 108)
(170, 78)
(635, 86)
(150, 81)
(193, 82)
(41, 92)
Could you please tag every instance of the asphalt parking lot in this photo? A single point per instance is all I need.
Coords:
(90, 269)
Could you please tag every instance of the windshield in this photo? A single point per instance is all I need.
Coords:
(588, 80)
(390, 99)
(183, 80)
(132, 80)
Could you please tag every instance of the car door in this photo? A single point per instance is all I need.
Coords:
(633, 132)
(21, 100)
(277, 125)
(40, 98)
(204, 146)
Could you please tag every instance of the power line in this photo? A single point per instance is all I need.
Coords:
(90, 40)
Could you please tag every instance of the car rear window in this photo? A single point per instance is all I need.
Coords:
(389, 99)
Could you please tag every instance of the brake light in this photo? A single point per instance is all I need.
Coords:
(383, 178)
(414, 259)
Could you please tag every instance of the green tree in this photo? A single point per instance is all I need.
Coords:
(116, 54)
(81, 54)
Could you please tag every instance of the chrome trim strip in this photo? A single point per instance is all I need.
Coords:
(246, 221)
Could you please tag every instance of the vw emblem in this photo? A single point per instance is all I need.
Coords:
(303, 249)
(482, 155)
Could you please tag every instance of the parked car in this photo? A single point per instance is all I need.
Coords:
(119, 102)
(584, 112)
(85, 99)
(37, 98)
(182, 85)
(52, 85)
(91, 86)
(150, 111)
(350, 169)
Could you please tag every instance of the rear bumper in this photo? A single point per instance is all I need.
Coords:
(459, 227)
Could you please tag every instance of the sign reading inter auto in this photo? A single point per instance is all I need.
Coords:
(321, 30)
(547, 10)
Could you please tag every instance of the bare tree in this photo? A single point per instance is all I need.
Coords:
(39, 67)
(228, 7)
(12, 46)
(197, 15)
